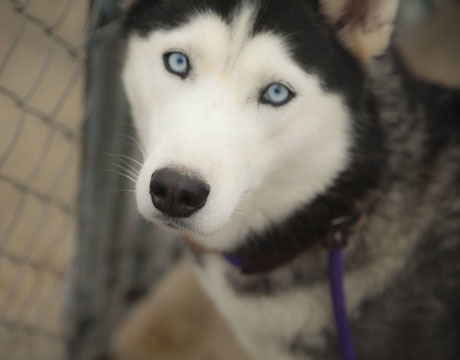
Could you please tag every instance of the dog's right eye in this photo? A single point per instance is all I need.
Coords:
(177, 63)
(276, 94)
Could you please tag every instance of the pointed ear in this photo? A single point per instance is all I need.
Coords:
(365, 26)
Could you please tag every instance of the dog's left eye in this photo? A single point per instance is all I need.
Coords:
(176, 63)
(276, 94)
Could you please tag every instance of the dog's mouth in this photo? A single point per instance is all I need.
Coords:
(173, 223)
(186, 232)
(178, 225)
(185, 229)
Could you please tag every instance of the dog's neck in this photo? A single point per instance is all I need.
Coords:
(251, 259)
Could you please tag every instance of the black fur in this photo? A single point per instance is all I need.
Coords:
(147, 16)
(418, 316)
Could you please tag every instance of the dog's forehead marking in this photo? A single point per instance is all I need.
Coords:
(220, 42)
(220, 46)
(240, 31)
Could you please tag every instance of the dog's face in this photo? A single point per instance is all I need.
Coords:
(244, 110)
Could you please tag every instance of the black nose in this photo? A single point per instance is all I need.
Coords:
(177, 194)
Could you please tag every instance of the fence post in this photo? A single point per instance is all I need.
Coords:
(116, 259)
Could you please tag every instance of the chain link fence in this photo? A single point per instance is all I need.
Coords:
(119, 255)
(41, 66)
(59, 70)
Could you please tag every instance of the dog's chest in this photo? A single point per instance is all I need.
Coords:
(269, 322)
(272, 314)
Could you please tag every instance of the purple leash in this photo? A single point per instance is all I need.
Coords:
(335, 241)
(338, 300)
(336, 277)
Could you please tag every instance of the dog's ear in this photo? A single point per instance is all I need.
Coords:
(365, 26)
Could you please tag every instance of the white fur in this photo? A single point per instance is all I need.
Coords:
(261, 162)
(261, 323)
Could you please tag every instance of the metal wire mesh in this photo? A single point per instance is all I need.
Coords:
(41, 62)
(119, 256)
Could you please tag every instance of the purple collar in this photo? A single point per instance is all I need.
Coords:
(335, 241)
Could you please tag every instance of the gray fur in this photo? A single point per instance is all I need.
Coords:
(418, 201)
(402, 270)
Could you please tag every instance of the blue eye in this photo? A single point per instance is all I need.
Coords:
(176, 63)
(276, 94)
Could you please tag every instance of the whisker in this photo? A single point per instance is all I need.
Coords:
(128, 171)
(127, 157)
(123, 190)
(239, 212)
(132, 179)
(128, 166)
(139, 145)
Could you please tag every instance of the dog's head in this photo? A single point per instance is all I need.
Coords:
(247, 110)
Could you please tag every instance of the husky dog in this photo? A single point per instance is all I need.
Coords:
(264, 124)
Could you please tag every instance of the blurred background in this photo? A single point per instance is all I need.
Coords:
(74, 256)
(42, 67)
